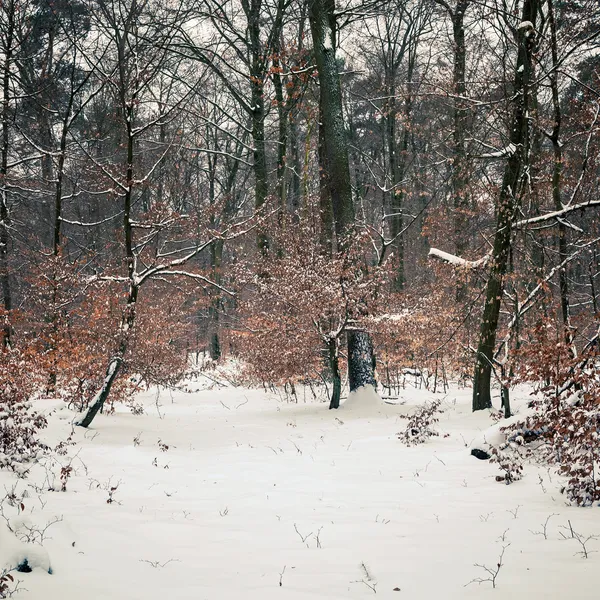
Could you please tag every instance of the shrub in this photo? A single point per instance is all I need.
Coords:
(421, 423)
(509, 461)
(566, 410)
(19, 423)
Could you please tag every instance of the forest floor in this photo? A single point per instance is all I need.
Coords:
(230, 493)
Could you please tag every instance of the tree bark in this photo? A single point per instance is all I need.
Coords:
(252, 8)
(4, 211)
(361, 359)
(507, 206)
(129, 313)
(563, 282)
(214, 310)
(335, 148)
(333, 349)
(460, 167)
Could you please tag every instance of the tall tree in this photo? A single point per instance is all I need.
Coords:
(508, 202)
(322, 17)
(8, 25)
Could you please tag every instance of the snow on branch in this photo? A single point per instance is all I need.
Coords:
(457, 261)
(557, 214)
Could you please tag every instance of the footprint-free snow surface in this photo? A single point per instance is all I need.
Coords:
(230, 493)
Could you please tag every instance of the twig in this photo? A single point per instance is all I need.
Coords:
(492, 572)
(544, 531)
(302, 537)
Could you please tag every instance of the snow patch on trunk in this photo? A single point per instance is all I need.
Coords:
(362, 399)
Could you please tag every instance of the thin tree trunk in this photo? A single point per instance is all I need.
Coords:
(129, 313)
(4, 212)
(557, 182)
(398, 168)
(294, 195)
(282, 121)
(460, 167)
(214, 310)
(507, 206)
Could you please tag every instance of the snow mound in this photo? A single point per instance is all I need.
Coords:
(17, 555)
(363, 399)
(493, 437)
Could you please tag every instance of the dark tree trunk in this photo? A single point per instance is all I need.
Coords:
(4, 211)
(334, 367)
(335, 160)
(100, 398)
(214, 310)
(460, 167)
(334, 142)
(57, 239)
(252, 9)
(506, 208)
(282, 122)
(557, 181)
(361, 360)
(294, 195)
(398, 168)
(325, 205)
(129, 313)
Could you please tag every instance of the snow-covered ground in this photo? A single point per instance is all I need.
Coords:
(258, 499)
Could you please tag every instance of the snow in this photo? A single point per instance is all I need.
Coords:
(259, 499)
(493, 436)
(525, 25)
(14, 552)
(457, 261)
(327, 36)
(363, 400)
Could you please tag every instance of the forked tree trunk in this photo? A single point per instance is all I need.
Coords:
(129, 314)
(507, 206)
(337, 169)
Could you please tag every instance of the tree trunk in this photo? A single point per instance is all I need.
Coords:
(361, 359)
(325, 205)
(214, 310)
(460, 168)
(507, 207)
(282, 122)
(257, 82)
(333, 347)
(398, 168)
(294, 195)
(335, 148)
(335, 145)
(100, 398)
(4, 212)
(557, 182)
(129, 314)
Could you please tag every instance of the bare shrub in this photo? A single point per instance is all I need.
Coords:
(421, 424)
